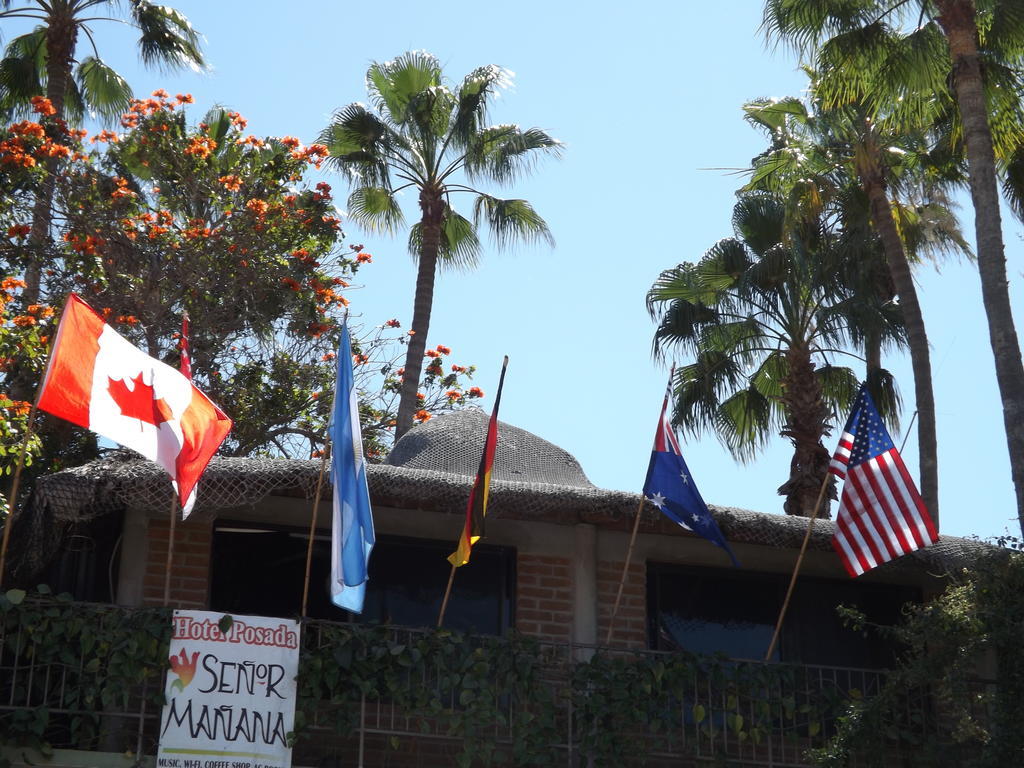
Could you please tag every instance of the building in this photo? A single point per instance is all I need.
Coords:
(685, 648)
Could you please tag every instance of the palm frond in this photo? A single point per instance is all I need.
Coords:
(103, 90)
(375, 208)
(459, 248)
(167, 39)
(504, 153)
(759, 220)
(359, 143)
(511, 220)
(392, 85)
(745, 422)
(477, 86)
(21, 72)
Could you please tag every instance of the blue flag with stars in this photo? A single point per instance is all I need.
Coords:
(671, 489)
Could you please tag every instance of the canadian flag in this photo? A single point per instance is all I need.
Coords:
(99, 380)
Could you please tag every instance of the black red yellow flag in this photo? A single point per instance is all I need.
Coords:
(476, 508)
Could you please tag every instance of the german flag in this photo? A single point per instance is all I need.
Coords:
(476, 508)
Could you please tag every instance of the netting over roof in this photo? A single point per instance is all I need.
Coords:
(453, 443)
(427, 471)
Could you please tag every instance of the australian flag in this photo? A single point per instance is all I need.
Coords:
(671, 489)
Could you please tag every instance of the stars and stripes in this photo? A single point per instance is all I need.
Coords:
(881, 514)
(671, 489)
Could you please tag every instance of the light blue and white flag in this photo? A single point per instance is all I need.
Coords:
(352, 529)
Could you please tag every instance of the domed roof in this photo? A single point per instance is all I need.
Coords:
(453, 443)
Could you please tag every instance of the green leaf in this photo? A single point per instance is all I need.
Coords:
(699, 713)
(15, 596)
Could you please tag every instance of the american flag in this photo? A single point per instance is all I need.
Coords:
(881, 514)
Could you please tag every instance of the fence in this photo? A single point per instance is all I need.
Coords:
(91, 677)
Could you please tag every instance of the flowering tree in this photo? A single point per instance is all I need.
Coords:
(165, 218)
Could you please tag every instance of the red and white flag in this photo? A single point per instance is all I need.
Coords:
(99, 380)
(881, 514)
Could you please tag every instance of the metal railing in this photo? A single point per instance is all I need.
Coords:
(743, 713)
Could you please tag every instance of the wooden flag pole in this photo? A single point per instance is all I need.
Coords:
(625, 569)
(13, 497)
(312, 528)
(447, 594)
(796, 568)
(175, 506)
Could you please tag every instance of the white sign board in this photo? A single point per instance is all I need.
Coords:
(230, 696)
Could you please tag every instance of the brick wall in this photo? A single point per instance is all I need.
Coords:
(544, 596)
(190, 569)
(631, 621)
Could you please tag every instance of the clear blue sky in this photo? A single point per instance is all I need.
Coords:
(646, 96)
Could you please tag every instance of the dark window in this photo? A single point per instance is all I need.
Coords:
(720, 611)
(259, 570)
(86, 564)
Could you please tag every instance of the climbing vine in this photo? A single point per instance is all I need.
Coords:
(497, 700)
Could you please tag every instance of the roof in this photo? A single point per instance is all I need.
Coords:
(432, 467)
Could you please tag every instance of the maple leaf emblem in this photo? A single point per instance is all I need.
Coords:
(139, 403)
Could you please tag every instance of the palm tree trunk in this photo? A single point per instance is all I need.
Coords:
(958, 21)
(61, 37)
(806, 424)
(432, 209)
(920, 357)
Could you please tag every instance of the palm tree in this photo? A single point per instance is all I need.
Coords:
(762, 313)
(851, 163)
(977, 48)
(425, 136)
(41, 62)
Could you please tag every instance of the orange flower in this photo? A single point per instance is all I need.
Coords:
(105, 136)
(232, 182)
(432, 353)
(443, 349)
(422, 416)
(475, 392)
(160, 93)
(184, 98)
(237, 120)
(24, 321)
(453, 394)
(18, 407)
(328, 356)
(259, 207)
(128, 319)
(19, 230)
(291, 142)
(10, 283)
(363, 258)
(200, 146)
(293, 284)
(43, 106)
(393, 323)
(360, 359)
(40, 309)
(420, 396)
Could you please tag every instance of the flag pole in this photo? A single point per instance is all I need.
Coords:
(796, 568)
(312, 527)
(447, 594)
(170, 546)
(625, 569)
(13, 497)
